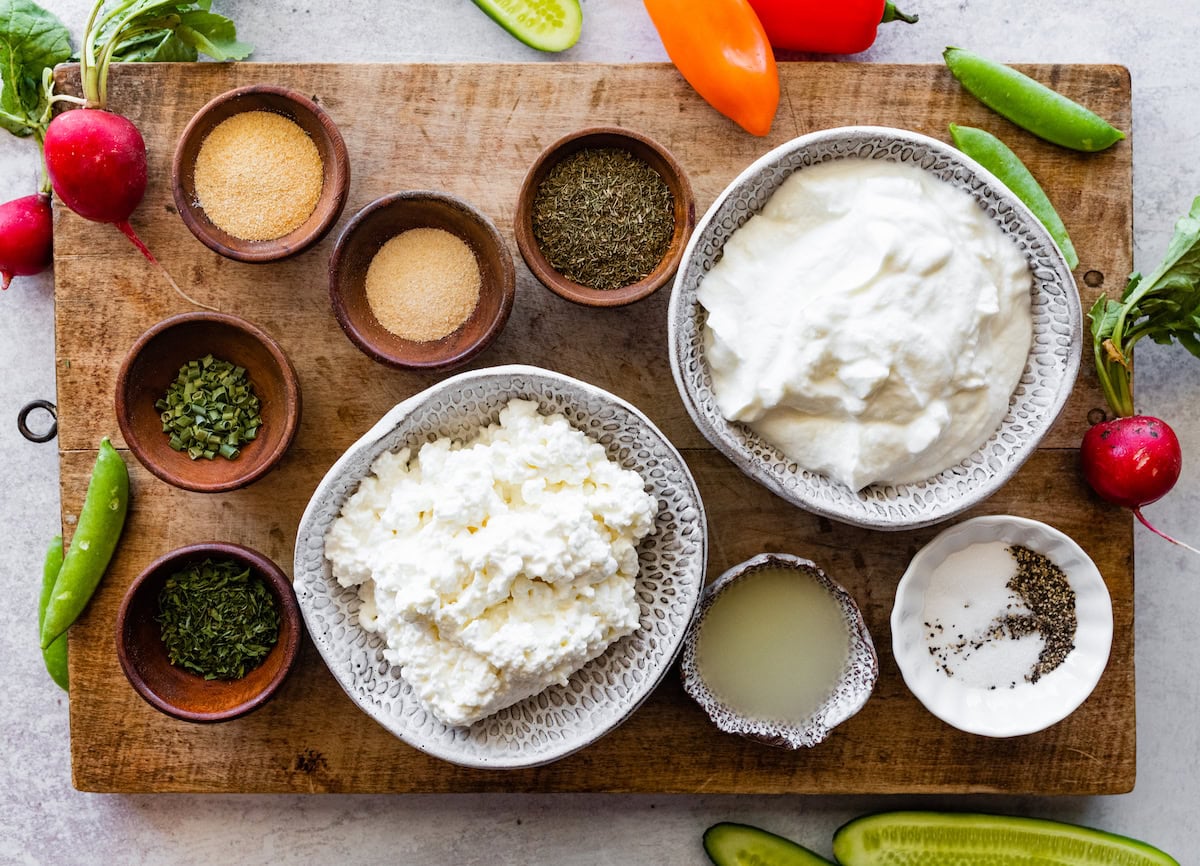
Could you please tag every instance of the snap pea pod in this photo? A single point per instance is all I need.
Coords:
(994, 155)
(55, 655)
(99, 528)
(1031, 105)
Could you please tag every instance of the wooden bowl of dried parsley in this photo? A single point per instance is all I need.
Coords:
(208, 632)
(603, 216)
(207, 401)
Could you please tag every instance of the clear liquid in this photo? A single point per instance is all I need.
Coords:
(773, 645)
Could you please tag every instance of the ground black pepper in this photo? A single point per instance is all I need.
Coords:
(1051, 601)
(1049, 611)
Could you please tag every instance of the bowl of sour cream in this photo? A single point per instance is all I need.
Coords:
(873, 327)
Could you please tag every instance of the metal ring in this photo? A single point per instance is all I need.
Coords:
(24, 414)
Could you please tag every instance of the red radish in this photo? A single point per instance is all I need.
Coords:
(1132, 461)
(96, 161)
(26, 237)
(97, 164)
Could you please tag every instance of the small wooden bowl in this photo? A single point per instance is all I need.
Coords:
(650, 152)
(152, 365)
(313, 120)
(178, 692)
(382, 220)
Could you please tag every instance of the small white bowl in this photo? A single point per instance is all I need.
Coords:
(1040, 395)
(1004, 712)
(848, 696)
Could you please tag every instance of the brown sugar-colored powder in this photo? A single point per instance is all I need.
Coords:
(423, 284)
(258, 176)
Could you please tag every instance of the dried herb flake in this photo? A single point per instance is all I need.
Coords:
(218, 620)
(603, 218)
(210, 409)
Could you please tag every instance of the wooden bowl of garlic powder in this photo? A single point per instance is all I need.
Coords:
(421, 280)
(260, 174)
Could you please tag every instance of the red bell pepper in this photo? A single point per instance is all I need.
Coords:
(826, 26)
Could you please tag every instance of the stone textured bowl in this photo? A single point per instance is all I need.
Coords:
(848, 696)
(602, 694)
(178, 692)
(1004, 712)
(1050, 369)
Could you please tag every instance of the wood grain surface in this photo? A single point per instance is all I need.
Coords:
(473, 130)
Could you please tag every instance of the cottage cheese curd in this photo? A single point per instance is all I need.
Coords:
(498, 567)
(871, 322)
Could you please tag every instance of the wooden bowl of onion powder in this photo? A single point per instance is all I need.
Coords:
(260, 174)
(421, 280)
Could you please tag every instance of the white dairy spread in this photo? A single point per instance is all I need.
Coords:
(871, 322)
(497, 567)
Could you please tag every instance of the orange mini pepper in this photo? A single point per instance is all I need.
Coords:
(720, 47)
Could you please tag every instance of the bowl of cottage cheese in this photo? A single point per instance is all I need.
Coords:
(504, 567)
(873, 327)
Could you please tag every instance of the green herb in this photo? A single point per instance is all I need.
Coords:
(1165, 306)
(217, 619)
(210, 409)
(32, 42)
(142, 30)
(603, 218)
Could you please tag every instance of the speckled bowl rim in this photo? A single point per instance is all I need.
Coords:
(832, 712)
(801, 487)
(369, 441)
(1004, 712)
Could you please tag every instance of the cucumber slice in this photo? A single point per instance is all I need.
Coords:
(939, 838)
(741, 845)
(547, 25)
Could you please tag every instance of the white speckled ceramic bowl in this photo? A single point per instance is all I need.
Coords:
(1039, 397)
(846, 698)
(602, 694)
(1004, 712)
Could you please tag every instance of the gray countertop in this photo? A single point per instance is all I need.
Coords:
(46, 821)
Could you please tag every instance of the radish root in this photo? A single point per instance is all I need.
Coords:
(1137, 512)
(127, 230)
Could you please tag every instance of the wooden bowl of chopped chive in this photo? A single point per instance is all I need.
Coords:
(260, 174)
(207, 401)
(421, 280)
(208, 632)
(603, 216)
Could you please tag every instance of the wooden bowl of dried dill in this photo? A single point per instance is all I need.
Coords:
(207, 401)
(208, 632)
(603, 216)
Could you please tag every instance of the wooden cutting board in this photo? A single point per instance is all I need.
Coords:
(473, 130)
